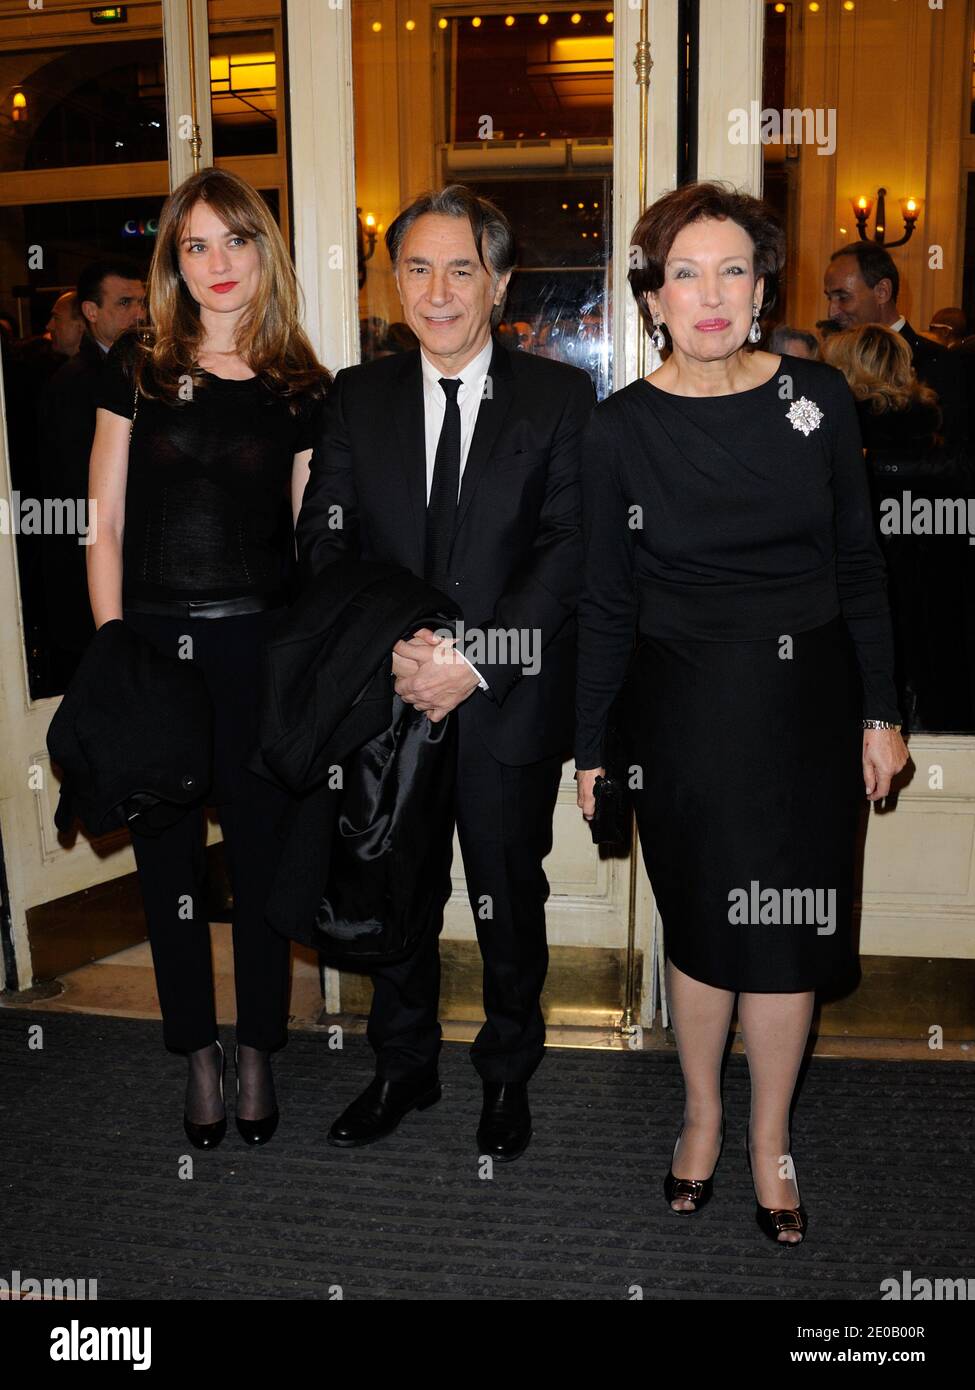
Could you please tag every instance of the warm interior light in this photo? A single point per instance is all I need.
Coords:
(441, 24)
(576, 19)
(243, 87)
(411, 25)
(370, 220)
(609, 16)
(377, 25)
(543, 19)
(598, 49)
(814, 7)
(476, 22)
(509, 20)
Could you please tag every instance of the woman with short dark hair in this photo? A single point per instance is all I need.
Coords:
(727, 525)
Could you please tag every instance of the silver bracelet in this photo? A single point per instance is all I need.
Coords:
(879, 724)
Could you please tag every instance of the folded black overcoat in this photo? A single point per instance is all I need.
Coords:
(373, 776)
(133, 736)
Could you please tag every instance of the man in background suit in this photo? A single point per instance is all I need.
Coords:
(862, 283)
(459, 460)
(110, 299)
(932, 578)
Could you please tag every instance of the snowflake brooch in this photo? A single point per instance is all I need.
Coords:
(804, 415)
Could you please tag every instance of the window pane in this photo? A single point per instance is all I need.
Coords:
(244, 77)
(84, 103)
(866, 190)
(521, 111)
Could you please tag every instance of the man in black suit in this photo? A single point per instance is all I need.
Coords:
(460, 461)
(110, 299)
(932, 580)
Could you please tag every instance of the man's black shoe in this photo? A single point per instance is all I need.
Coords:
(506, 1122)
(380, 1108)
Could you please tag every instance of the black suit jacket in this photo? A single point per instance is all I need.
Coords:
(66, 432)
(516, 560)
(943, 372)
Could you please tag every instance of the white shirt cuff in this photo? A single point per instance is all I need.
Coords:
(480, 679)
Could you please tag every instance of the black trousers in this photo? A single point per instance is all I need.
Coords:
(172, 866)
(504, 825)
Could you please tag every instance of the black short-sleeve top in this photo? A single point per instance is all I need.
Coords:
(207, 511)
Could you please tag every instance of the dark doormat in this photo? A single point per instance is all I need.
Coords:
(94, 1181)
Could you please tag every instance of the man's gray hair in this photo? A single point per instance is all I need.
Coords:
(491, 229)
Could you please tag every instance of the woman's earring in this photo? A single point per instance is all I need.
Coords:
(755, 331)
(657, 336)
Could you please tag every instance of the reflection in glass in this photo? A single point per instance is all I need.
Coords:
(244, 90)
(522, 112)
(49, 419)
(91, 103)
(911, 451)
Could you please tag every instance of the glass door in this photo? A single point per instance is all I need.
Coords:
(542, 109)
(101, 111)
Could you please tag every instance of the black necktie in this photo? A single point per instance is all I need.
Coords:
(442, 506)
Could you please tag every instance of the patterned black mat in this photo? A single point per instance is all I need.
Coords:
(93, 1180)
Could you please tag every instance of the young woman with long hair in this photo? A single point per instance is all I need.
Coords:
(193, 549)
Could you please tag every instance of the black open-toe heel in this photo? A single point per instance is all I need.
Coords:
(773, 1220)
(254, 1131)
(208, 1136)
(696, 1190)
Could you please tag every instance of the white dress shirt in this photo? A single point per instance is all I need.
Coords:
(469, 398)
(898, 324)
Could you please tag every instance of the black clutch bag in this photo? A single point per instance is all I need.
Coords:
(610, 824)
(612, 820)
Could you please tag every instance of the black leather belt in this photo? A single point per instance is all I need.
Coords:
(204, 607)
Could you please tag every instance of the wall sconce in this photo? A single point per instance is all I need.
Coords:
(370, 235)
(863, 206)
(366, 242)
(18, 107)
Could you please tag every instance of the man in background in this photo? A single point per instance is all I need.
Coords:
(110, 299)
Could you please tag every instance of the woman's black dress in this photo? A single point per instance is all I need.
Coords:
(732, 536)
